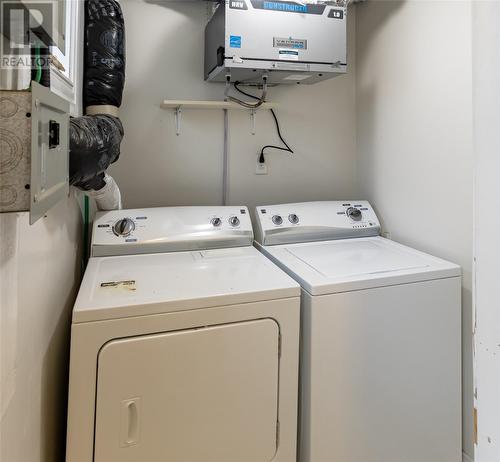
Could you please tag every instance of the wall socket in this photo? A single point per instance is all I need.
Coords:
(261, 168)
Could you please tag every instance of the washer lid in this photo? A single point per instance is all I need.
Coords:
(138, 285)
(354, 264)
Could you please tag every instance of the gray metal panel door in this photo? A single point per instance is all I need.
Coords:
(49, 151)
(197, 395)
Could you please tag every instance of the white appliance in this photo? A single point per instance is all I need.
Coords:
(381, 336)
(180, 353)
(284, 40)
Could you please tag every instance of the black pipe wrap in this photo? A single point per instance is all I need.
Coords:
(104, 74)
(95, 140)
(95, 145)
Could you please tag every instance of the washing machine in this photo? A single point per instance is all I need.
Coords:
(184, 342)
(381, 336)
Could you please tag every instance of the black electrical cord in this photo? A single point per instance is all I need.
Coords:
(287, 149)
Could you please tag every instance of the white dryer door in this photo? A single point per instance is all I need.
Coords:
(199, 395)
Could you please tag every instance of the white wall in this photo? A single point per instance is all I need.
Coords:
(165, 60)
(40, 272)
(414, 122)
(39, 276)
(486, 36)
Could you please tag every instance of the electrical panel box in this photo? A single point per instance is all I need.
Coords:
(288, 41)
(34, 150)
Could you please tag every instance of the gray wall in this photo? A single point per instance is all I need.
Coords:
(486, 36)
(414, 122)
(165, 60)
(39, 277)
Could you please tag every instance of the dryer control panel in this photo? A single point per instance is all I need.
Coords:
(315, 221)
(170, 229)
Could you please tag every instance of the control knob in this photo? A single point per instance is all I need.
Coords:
(216, 222)
(123, 227)
(293, 219)
(234, 221)
(277, 219)
(353, 213)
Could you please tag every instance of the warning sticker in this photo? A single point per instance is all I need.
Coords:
(124, 285)
(297, 78)
(289, 55)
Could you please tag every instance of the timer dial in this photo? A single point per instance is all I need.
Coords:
(354, 214)
(123, 227)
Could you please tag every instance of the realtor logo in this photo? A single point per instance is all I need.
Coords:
(27, 25)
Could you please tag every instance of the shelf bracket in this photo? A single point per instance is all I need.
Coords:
(252, 120)
(178, 114)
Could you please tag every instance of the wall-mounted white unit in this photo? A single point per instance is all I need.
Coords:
(288, 41)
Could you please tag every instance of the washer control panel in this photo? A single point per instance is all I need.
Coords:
(315, 221)
(170, 229)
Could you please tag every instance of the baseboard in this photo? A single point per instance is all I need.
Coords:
(466, 458)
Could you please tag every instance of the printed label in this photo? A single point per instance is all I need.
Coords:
(235, 41)
(238, 5)
(124, 285)
(296, 44)
(282, 6)
(297, 77)
(289, 55)
(336, 14)
(289, 7)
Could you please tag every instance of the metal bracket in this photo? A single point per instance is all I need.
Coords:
(252, 120)
(178, 114)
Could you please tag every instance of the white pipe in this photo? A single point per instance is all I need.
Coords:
(108, 197)
(225, 161)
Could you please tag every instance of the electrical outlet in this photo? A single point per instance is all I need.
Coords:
(261, 169)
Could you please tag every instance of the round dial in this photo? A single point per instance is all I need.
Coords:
(294, 219)
(124, 227)
(216, 222)
(234, 221)
(277, 219)
(354, 214)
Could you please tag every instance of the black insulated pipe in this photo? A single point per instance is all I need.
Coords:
(95, 145)
(104, 74)
(95, 139)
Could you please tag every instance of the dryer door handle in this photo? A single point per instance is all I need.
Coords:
(130, 422)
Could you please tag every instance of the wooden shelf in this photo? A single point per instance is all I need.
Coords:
(178, 106)
(183, 104)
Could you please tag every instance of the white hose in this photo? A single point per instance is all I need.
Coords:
(108, 197)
